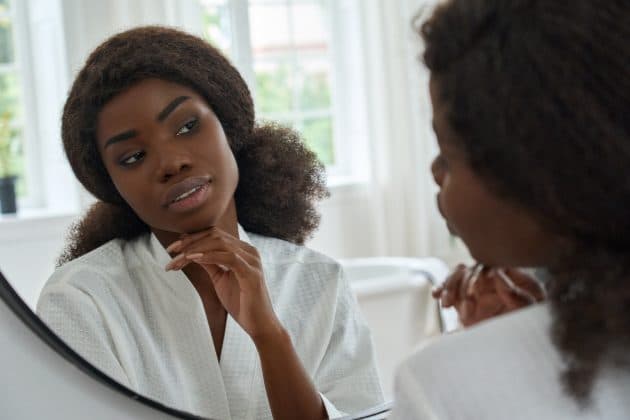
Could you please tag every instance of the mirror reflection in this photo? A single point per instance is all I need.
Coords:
(202, 161)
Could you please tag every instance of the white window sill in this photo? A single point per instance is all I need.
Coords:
(30, 224)
(33, 214)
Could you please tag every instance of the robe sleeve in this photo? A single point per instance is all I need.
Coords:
(347, 376)
(75, 317)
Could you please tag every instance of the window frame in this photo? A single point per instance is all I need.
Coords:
(348, 122)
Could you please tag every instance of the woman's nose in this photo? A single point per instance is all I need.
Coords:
(172, 163)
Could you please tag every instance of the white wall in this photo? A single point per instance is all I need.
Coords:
(28, 251)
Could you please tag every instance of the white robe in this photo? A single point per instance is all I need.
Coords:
(147, 328)
(504, 368)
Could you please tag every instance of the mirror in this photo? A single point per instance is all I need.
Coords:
(399, 288)
(51, 380)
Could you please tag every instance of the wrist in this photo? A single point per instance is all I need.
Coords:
(271, 337)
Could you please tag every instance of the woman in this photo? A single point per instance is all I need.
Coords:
(531, 101)
(186, 281)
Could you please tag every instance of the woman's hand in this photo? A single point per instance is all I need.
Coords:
(479, 293)
(235, 269)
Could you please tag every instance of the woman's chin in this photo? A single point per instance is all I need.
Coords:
(189, 225)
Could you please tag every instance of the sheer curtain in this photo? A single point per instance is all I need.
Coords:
(403, 143)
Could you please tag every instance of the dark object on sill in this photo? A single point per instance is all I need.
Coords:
(8, 202)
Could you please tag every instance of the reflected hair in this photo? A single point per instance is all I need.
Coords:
(538, 94)
(280, 179)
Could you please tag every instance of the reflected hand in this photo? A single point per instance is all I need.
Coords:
(479, 293)
(235, 269)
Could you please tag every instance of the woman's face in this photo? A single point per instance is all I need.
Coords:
(168, 156)
(496, 232)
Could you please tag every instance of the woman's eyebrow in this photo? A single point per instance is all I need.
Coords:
(160, 117)
(171, 107)
(120, 137)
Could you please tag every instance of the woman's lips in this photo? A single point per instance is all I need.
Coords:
(191, 200)
(181, 189)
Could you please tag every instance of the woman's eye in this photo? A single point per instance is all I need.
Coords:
(130, 160)
(188, 127)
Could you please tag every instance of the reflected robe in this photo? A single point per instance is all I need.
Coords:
(147, 328)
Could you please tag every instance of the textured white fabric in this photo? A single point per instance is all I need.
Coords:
(505, 368)
(147, 328)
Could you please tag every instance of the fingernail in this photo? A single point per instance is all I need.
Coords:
(194, 256)
(222, 267)
(470, 290)
(173, 262)
(172, 247)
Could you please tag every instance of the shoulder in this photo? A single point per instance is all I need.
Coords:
(301, 272)
(101, 260)
(524, 330)
(277, 252)
(94, 273)
(510, 358)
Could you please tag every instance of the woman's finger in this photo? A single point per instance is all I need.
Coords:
(479, 285)
(213, 245)
(487, 306)
(188, 238)
(465, 309)
(222, 242)
(210, 243)
(229, 260)
(451, 286)
(510, 299)
(437, 291)
(526, 283)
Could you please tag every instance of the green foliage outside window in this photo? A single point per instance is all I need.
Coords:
(274, 95)
(211, 21)
(315, 92)
(318, 135)
(9, 146)
(210, 18)
(273, 90)
(6, 41)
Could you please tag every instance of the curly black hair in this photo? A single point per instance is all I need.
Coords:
(538, 92)
(280, 179)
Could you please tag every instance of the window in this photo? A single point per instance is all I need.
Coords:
(284, 49)
(11, 101)
(33, 86)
